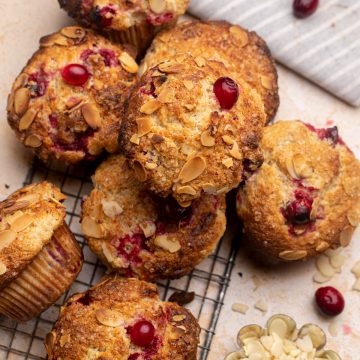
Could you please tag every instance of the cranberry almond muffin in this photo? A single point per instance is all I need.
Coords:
(123, 319)
(39, 256)
(66, 102)
(305, 198)
(189, 126)
(241, 50)
(139, 234)
(126, 21)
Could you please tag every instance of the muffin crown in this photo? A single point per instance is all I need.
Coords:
(179, 138)
(29, 218)
(100, 322)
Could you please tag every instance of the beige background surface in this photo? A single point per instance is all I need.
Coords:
(288, 290)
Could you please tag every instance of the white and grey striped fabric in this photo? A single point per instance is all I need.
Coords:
(325, 48)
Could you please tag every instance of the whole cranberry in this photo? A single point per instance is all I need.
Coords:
(298, 212)
(227, 92)
(329, 300)
(75, 74)
(142, 333)
(304, 8)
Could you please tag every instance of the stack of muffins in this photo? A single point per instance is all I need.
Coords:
(183, 129)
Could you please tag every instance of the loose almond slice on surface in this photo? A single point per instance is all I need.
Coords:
(6, 238)
(167, 243)
(27, 119)
(109, 318)
(22, 222)
(192, 169)
(128, 63)
(91, 115)
(91, 228)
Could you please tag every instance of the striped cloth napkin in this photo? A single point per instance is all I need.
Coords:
(325, 48)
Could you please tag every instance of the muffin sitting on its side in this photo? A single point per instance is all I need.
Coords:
(139, 234)
(39, 256)
(306, 196)
(189, 126)
(128, 22)
(240, 50)
(123, 320)
(66, 102)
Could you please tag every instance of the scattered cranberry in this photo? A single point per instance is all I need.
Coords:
(148, 89)
(298, 211)
(329, 300)
(304, 8)
(142, 333)
(161, 19)
(53, 121)
(227, 92)
(85, 299)
(38, 83)
(134, 356)
(103, 17)
(75, 74)
(109, 56)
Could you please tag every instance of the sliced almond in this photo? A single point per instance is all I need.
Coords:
(192, 169)
(157, 6)
(20, 81)
(49, 342)
(337, 261)
(128, 63)
(240, 308)
(135, 139)
(33, 141)
(150, 107)
(140, 171)
(31, 199)
(91, 228)
(6, 238)
(228, 162)
(60, 40)
(170, 68)
(200, 61)
(240, 35)
(109, 318)
(22, 222)
(261, 305)
(228, 140)
(209, 188)
(346, 235)
(151, 165)
(320, 278)
(73, 103)
(178, 318)
(301, 167)
(148, 228)
(322, 246)
(167, 95)
(186, 190)
(3, 268)
(27, 119)
(21, 100)
(290, 168)
(356, 269)
(111, 208)
(234, 152)
(73, 32)
(47, 41)
(206, 139)
(18, 205)
(142, 69)
(188, 84)
(91, 115)
(167, 243)
(106, 249)
(324, 266)
(144, 125)
(354, 216)
(293, 254)
(267, 82)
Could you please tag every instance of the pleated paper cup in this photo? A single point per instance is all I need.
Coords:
(45, 279)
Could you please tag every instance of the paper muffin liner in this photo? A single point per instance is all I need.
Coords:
(44, 280)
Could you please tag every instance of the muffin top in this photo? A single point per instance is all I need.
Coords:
(240, 50)
(124, 320)
(65, 104)
(139, 234)
(306, 196)
(122, 14)
(28, 219)
(189, 125)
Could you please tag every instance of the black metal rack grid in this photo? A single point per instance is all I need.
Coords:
(209, 280)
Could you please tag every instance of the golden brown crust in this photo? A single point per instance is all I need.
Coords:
(62, 121)
(238, 48)
(299, 165)
(130, 230)
(178, 138)
(29, 218)
(95, 325)
(120, 15)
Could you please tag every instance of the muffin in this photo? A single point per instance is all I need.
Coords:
(305, 198)
(240, 50)
(123, 319)
(66, 102)
(188, 127)
(128, 22)
(39, 256)
(139, 234)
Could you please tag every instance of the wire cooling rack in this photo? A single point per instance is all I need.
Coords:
(209, 280)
